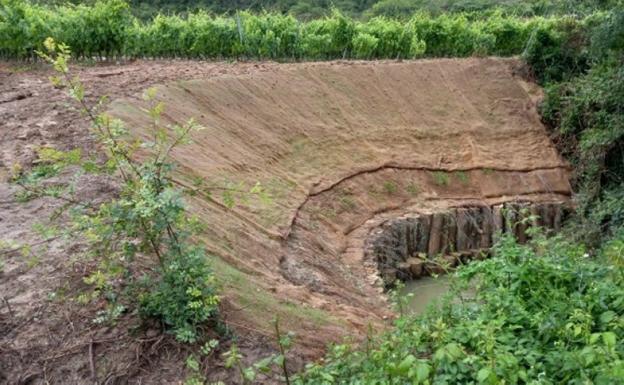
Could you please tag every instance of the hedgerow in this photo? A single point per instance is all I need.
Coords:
(107, 29)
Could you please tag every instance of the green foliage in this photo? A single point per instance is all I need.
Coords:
(234, 358)
(308, 9)
(463, 177)
(194, 365)
(107, 29)
(581, 66)
(147, 217)
(542, 313)
(395, 8)
(412, 188)
(556, 52)
(405, 8)
(364, 45)
(184, 296)
(98, 29)
(347, 202)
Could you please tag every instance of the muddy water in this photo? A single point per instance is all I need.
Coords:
(426, 291)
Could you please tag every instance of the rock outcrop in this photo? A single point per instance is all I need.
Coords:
(423, 244)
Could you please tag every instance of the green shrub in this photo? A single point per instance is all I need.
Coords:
(147, 217)
(184, 297)
(364, 45)
(557, 51)
(441, 178)
(390, 187)
(542, 313)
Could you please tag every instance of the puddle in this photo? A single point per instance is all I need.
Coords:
(426, 291)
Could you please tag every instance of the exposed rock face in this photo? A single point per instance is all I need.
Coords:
(423, 244)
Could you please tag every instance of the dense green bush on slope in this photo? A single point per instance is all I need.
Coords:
(108, 29)
(543, 313)
(582, 69)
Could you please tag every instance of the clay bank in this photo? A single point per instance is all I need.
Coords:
(373, 170)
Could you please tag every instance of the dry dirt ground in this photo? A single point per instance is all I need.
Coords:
(339, 147)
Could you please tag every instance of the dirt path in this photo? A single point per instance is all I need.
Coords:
(339, 147)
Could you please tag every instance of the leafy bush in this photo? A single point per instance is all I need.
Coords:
(185, 296)
(392, 39)
(557, 52)
(581, 65)
(542, 313)
(147, 217)
(364, 45)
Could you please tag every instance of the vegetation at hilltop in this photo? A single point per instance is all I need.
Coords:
(362, 9)
(108, 29)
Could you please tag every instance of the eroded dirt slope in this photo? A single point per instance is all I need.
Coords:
(341, 145)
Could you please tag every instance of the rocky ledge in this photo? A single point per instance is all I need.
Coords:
(420, 244)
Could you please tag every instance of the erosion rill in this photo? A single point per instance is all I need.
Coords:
(416, 245)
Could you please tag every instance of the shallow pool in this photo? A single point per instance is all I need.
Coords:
(426, 291)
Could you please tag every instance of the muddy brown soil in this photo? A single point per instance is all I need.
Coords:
(45, 338)
(340, 147)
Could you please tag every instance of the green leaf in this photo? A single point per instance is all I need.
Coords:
(191, 363)
(484, 374)
(422, 371)
(264, 365)
(609, 339)
(406, 364)
(278, 359)
(249, 374)
(607, 317)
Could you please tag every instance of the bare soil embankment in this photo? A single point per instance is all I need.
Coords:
(340, 148)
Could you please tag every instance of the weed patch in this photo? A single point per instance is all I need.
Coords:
(441, 178)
